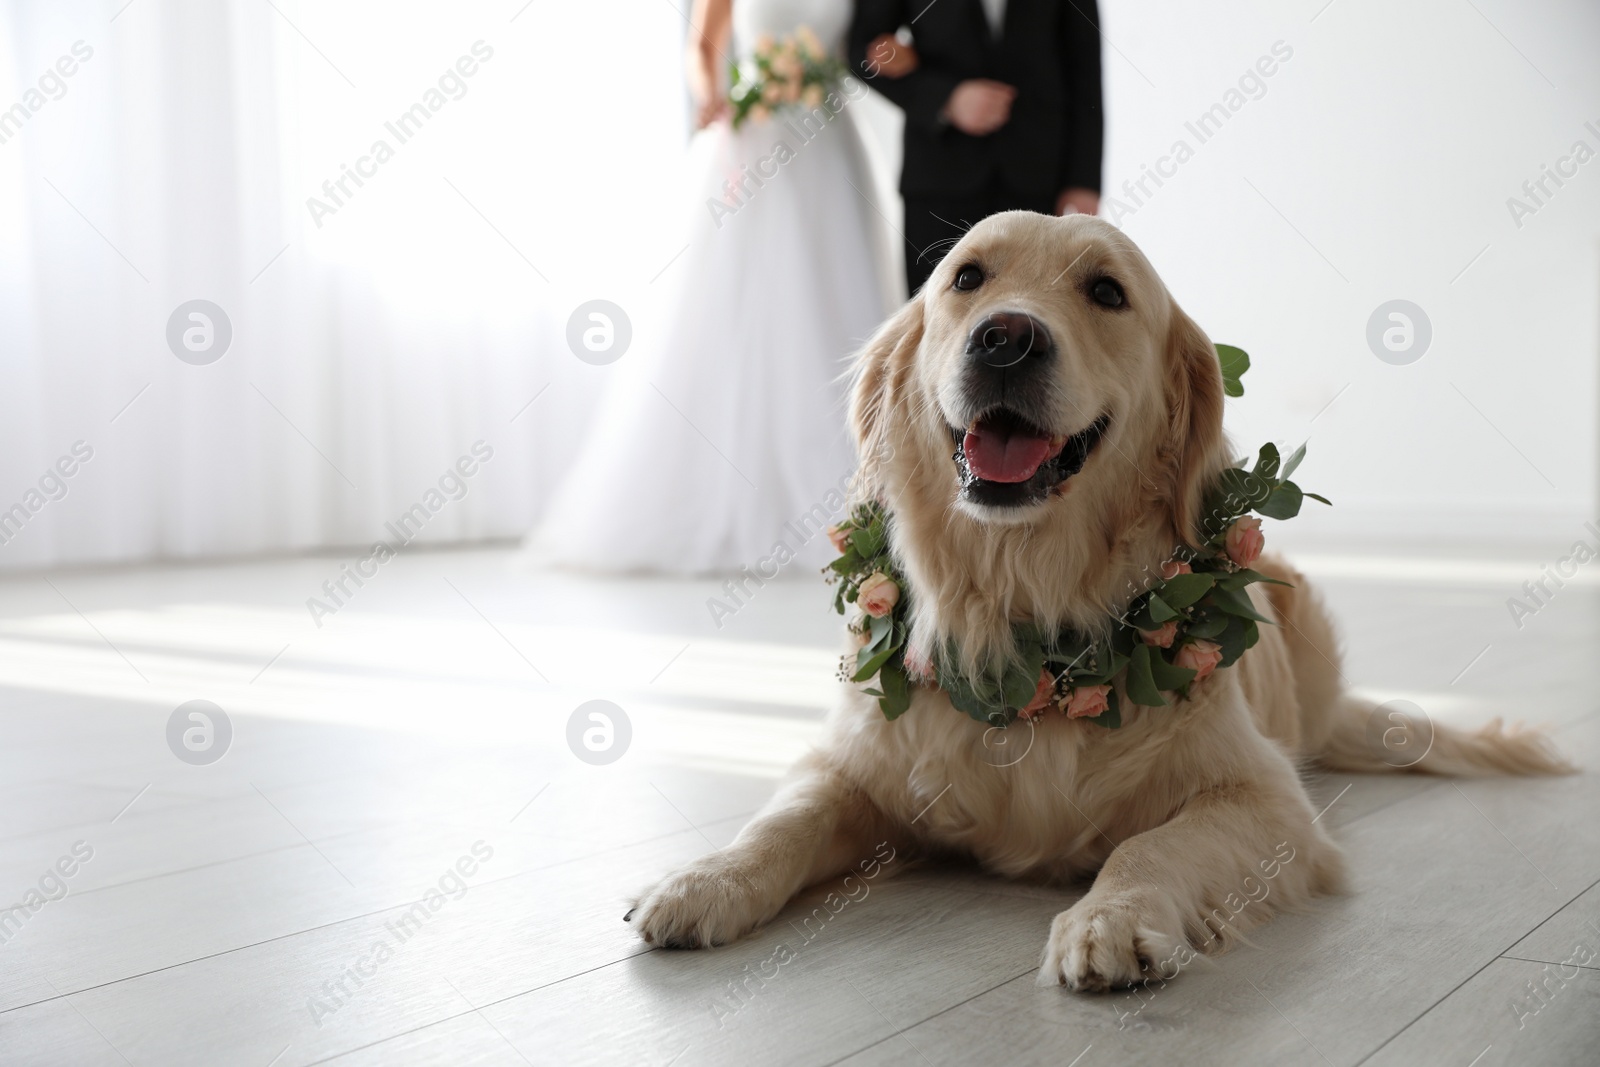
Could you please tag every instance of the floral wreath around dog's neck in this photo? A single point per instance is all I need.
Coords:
(1191, 619)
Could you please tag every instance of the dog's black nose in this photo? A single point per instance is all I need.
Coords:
(1007, 338)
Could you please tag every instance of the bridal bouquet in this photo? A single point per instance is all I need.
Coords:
(793, 70)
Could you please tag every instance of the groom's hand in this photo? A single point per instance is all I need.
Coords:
(889, 56)
(1078, 202)
(980, 106)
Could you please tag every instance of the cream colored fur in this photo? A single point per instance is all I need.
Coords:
(1191, 818)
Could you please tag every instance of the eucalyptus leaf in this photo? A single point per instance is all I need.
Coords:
(1019, 689)
(1160, 611)
(868, 541)
(1032, 659)
(1243, 490)
(868, 666)
(1208, 627)
(1141, 682)
(1166, 675)
(1070, 650)
(1113, 665)
(1318, 496)
(981, 698)
(1022, 679)
(1234, 362)
(896, 696)
(1138, 615)
(881, 629)
(964, 699)
(1290, 464)
(1241, 578)
(1184, 589)
(1284, 503)
(1236, 602)
(1218, 514)
(1232, 640)
(1267, 462)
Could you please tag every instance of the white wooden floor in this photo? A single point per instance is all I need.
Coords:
(224, 905)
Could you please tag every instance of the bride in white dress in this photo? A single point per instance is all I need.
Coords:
(723, 445)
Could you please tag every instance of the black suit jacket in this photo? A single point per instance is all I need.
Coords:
(1049, 50)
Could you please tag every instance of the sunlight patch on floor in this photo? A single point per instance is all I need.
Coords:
(458, 678)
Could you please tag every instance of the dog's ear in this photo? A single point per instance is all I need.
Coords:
(1196, 449)
(881, 367)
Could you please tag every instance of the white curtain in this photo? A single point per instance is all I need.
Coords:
(373, 344)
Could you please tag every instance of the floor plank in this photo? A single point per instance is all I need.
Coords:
(1439, 894)
(1570, 934)
(852, 973)
(219, 902)
(1511, 1013)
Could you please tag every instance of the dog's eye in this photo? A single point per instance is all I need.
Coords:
(969, 278)
(1107, 293)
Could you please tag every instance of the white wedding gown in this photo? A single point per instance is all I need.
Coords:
(729, 425)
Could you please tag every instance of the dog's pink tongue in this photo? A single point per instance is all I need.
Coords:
(1002, 457)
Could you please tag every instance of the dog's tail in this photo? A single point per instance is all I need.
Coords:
(1345, 732)
(1367, 736)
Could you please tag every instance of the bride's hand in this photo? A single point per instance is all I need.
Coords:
(709, 103)
(709, 111)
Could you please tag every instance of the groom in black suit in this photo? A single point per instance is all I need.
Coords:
(1002, 110)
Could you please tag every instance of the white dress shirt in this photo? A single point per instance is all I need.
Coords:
(995, 12)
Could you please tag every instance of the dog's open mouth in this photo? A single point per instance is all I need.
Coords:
(1007, 461)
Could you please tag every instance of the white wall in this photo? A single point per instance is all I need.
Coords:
(405, 327)
(371, 348)
(1390, 140)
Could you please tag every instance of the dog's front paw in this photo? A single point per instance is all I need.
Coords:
(710, 902)
(1095, 946)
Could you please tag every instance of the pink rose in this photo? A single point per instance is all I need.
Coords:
(812, 97)
(840, 536)
(878, 594)
(1245, 541)
(1201, 657)
(1087, 701)
(1171, 569)
(1043, 695)
(1163, 637)
(808, 41)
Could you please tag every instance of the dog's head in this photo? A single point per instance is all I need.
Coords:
(1043, 388)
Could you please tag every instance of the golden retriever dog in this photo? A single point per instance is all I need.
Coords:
(1182, 812)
